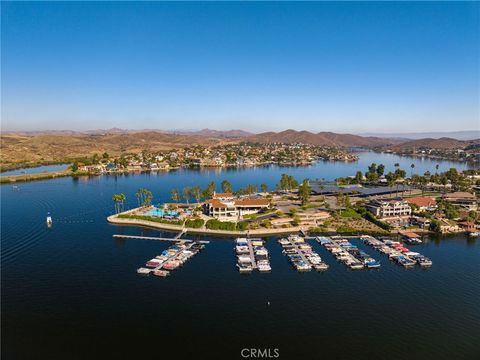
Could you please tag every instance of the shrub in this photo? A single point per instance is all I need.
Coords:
(151, 218)
(344, 229)
(349, 213)
(266, 224)
(242, 225)
(214, 224)
(370, 217)
(194, 223)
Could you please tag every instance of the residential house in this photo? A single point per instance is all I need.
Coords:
(423, 203)
(227, 208)
(389, 208)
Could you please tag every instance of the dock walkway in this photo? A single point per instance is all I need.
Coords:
(177, 238)
(299, 251)
(251, 253)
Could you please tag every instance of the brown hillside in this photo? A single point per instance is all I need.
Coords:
(442, 143)
(321, 138)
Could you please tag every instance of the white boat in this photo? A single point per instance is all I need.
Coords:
(474, 233)
(49, 220)
(143, 271)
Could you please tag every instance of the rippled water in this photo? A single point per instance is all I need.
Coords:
(71, 292)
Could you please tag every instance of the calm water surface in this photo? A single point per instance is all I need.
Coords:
(36, 170)
(71, 292)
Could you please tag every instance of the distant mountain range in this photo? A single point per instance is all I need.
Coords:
(237, 133)
(458, 135)
(214, 133)
(442, 143)
(49, 146)
(321, 138)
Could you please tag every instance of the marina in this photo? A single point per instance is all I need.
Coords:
(301, 255)
(170, 259)
(397, 252)
(252, 255)
(86, 264)
(347, 253)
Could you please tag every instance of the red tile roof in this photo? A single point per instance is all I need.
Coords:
(222, 195)
(252, 202)
(422, 201)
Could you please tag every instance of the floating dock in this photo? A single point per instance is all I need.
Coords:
(251, 255)
(301, 255)
(397, 252)
(171, 259)
(348, 253)
(176, 238)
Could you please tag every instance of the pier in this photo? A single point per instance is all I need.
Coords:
(171, 259)
(180, 234)
(176, 238)
(301, 254)
(252, 253)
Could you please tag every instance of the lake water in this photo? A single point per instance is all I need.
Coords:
(71, 292)
(36, 170)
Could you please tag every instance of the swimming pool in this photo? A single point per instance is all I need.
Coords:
(160, 212)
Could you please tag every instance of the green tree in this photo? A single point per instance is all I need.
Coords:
(380, 169)
(187, 193)
(264, 187)
(226, 186)
(435, 226)
(74, 166)
(119, 200)
(175, 195)
(209, 191)
(358, 177)
(372, 168)
(304, 191)
(197, 193)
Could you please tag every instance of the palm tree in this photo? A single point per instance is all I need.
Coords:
(264, 187)
(147, 197)
(186, 194)
(119, 200)
(197, 193)
(436, 168)
(413, 167)
(175, 195)
(226, 186)
(138, 195)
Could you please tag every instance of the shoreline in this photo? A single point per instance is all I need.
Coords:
(115, 220)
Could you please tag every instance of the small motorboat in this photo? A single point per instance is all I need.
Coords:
(49, 220)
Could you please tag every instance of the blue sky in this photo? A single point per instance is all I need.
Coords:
(347, 67)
